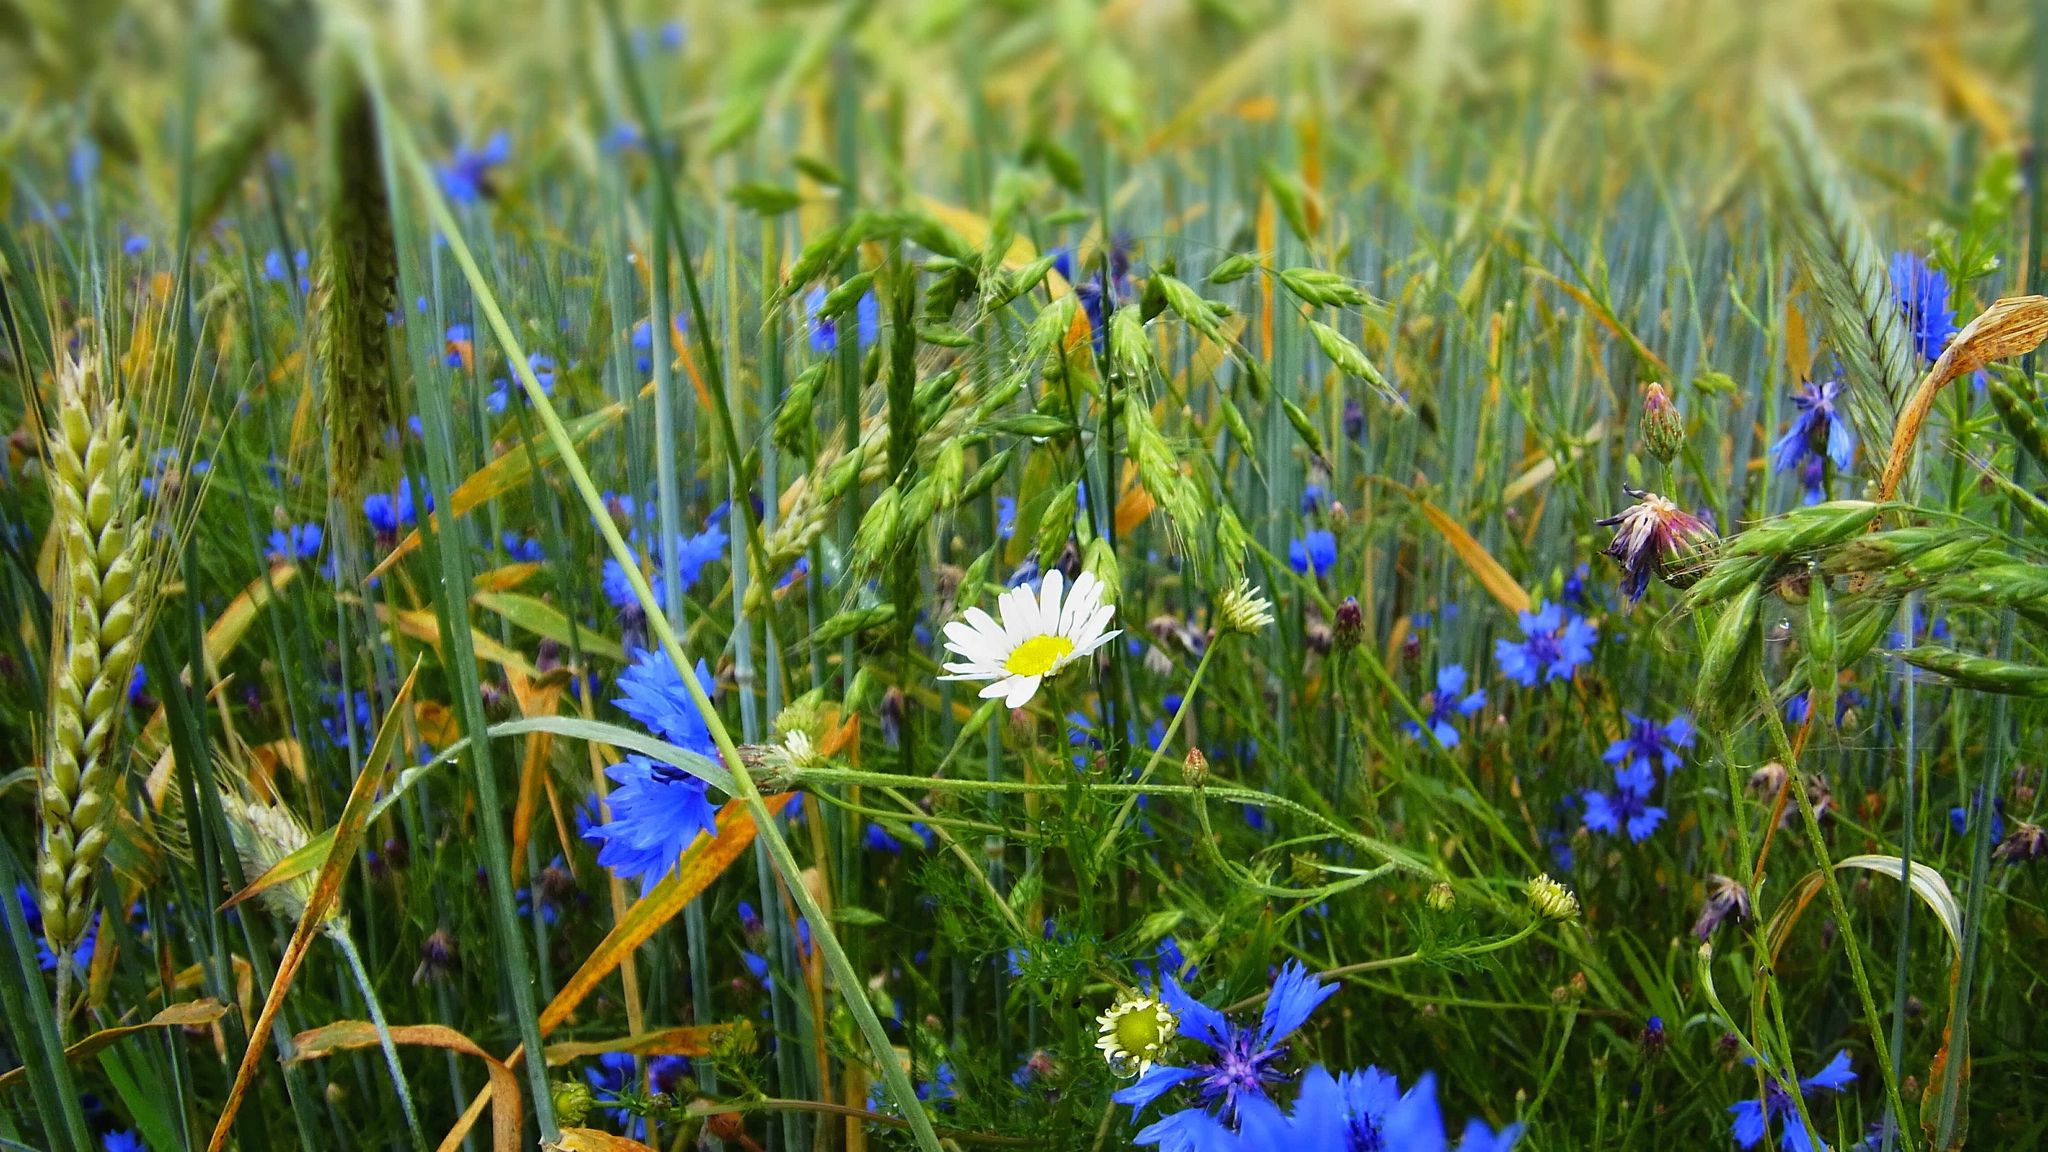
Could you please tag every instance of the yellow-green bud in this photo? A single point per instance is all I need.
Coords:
(1552, 901)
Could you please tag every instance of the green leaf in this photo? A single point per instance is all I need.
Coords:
(766, 199)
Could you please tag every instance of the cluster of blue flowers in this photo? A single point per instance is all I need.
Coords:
(1234, 1086)
(1645, 746)
(693, 552)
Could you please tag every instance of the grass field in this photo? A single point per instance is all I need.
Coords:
(1209, 574)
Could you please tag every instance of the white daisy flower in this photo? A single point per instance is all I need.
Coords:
(1038, 636)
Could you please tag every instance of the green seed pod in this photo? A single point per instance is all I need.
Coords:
(1983, 673)
(985, 477)
(1101, 560)
(2019, 409)
(1303, 428)
(877, 526)
(1731, 652)
(1729, 575)
(1822, 672)
(1056, 524)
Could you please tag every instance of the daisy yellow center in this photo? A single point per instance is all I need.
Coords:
(1139, 1032)
(1038, 655)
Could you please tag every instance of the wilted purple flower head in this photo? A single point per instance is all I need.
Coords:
(1655, 537)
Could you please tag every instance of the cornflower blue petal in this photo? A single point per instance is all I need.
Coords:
(1841, 444)
(1834, 1077)
(1197, 1020)
(1450, 679)
(1472, 703)
(1445, 734)
(1479, 1137)
(1600, 815)
(1189, 1130)
(1261, 1124)
(1152, 1085)
(1320, 1117)
(1644, 822)
(1748, 1125)
(1295, 995)
(1415, 1123)
(1792, 1134)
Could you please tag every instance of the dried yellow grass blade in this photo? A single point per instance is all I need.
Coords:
(183, 1015)
(690, 1040)
(346, 835)
(2011, 327)
(1484, 567)
(535, 698)
(507, 1108)
(421, 624)
(593, 1140)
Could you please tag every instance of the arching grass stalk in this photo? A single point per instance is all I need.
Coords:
(1852, 944)
(768, 832)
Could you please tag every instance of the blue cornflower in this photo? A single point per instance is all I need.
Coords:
(1312, 498)
(389, 512)
(1448, 702)
(1846, 700)
(336, 725)
(466, 178)
(523, 549)
(120, 1141)
(500, 396)
(1753, 1117)
(1629, 807)
(1006, 516)
(643, 341)
(294, 542)
(1923, 293)
(673, 35)
(138, 685)
(1313, 554)
(1243, 1064)
(1959, 819)
(460, 343)
(825, 329)
(880, 839)
(692, 554)
(611, 1077)
(1363, 1111)
(1817, 429)
(1647, 742)
(658, 809)
(276, 268)
(135, 244)
(1553, 646)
